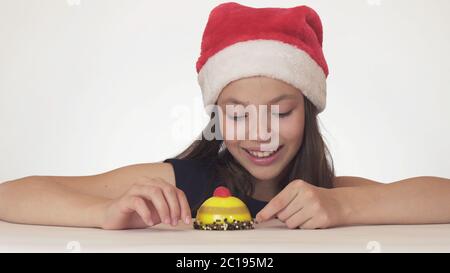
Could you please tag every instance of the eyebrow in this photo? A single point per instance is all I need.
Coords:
(274, 100)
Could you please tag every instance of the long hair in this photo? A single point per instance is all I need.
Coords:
(312, 163)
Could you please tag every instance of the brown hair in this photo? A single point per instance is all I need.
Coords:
(312, 163)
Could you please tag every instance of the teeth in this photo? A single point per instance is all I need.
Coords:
(262, 154)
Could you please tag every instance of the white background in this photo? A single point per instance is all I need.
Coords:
(89, 86)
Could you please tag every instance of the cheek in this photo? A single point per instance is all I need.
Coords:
(233, 130)
(291, 129)
(230, 142)
(226, 128)
(232, 146)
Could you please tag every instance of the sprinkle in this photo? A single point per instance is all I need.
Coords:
(225, 225)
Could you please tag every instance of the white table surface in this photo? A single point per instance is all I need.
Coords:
(271, 236)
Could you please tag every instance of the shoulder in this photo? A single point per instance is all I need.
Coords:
(190, 173)
(188, 163)
(353, 181)
(183, 168)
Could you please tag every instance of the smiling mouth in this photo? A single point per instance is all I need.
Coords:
(262, 154)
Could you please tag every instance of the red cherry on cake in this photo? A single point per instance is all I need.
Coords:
(222, 192)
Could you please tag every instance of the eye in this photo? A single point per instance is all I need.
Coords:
(237, 118)
(282, 115)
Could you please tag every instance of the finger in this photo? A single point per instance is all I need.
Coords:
(170, 194)
(309, 224)
(293, 207)
(174, 205)
(279, 202)
(155, 217)
(299, 218)
(155, 195)
(185, 209)
(142, 210)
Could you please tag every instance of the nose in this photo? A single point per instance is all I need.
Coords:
(259, 127)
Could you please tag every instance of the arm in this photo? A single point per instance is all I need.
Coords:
(353, 181)
(37, 200)
(77, 200)
(419, 200)
(359, 201)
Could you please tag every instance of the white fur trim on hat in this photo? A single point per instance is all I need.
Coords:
(268, 58)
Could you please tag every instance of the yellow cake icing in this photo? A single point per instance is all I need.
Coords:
(223, 212)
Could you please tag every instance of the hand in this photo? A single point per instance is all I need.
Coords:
(147, 203)
(302, 205)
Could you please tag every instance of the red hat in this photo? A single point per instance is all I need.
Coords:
(281, 43)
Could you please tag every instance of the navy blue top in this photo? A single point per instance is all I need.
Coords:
(192, 177)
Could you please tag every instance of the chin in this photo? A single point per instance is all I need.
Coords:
(264, 173)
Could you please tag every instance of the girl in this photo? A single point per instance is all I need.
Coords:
(250, 57)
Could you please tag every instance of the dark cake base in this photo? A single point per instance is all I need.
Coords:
(224, 225)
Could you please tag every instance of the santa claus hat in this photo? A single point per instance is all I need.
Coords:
(281, 43)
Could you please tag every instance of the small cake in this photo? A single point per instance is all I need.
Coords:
(223, 212)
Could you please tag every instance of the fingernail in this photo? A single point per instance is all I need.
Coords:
(187, 220)
(174, 222)
(150, 222)
(166, 221)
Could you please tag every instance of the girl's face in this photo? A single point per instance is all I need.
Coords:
(257, 151)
